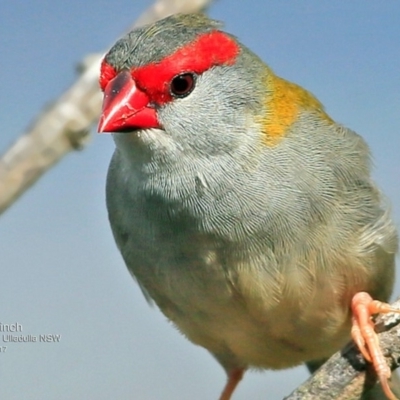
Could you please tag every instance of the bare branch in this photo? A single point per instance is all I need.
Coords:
(346, 375)
(64, 125)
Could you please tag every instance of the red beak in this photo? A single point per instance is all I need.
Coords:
(125, 107)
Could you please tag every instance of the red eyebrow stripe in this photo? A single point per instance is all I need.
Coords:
(208, 50)
(107, 72)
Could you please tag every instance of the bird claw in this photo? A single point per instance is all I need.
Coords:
(366, 339)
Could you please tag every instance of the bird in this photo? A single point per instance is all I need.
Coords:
(241, 208)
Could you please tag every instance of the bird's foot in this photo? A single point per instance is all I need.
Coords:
(363, 306)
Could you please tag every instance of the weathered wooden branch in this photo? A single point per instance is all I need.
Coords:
(346, 375)
(65, 124)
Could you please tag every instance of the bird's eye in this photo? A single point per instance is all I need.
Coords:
(182, 85)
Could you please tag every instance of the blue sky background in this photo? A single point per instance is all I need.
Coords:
(60, 272)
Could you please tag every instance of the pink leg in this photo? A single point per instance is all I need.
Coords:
(363, 334)
(234, 377)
